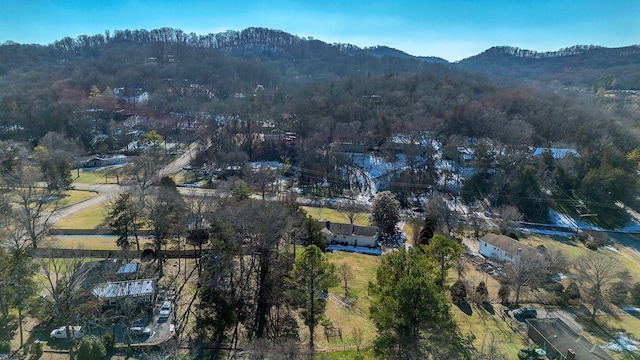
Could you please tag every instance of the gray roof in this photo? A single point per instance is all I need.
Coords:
(563, 338)
(349, 229)
(508, 244)
(120, 289)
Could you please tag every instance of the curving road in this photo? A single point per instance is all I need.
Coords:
(107, 192)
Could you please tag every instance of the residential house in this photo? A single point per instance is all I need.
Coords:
(97, 161)
(115, 292)
(503, 248)
(560, 342)
(349, 234)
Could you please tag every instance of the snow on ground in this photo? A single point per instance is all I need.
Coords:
(546, 232)
(622, 343)
(355, 249)
(566, 221)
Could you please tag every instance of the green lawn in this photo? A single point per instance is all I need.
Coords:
(337, 216)
(96, 176)
(364, 270)
(82, 242)
(90, 218)
(75, 196)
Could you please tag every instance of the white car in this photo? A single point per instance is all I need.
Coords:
(61, 332)
(139, 331)
(165, 310)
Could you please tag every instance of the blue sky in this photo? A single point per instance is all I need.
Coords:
(451, 29)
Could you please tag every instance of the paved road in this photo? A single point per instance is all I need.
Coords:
(108, 192)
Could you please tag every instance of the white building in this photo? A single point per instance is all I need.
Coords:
(503, 248)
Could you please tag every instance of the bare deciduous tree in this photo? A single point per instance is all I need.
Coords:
(509, 217)
(595, 274)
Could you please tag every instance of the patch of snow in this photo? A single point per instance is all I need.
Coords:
(631, 309)
(610, 248)
(546, 232)
(564, 220)
(622, 343)
(355, 249)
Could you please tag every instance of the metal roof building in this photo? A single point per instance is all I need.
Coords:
(143, 289)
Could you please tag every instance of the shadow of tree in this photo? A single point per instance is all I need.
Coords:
(489, 308)
(465, 307)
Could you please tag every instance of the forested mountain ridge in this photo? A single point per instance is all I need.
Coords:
(583, 65)
(238, 88)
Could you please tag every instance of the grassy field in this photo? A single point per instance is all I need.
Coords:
(336, 215)
(74, 196)
(84, 242)
(90, 218)
(96, 176)
(349, 318)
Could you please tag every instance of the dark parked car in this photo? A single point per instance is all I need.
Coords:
(525, 313)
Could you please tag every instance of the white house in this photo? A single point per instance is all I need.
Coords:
(349, 234)
(503, 248)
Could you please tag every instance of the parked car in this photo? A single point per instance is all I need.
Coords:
(139, 331)
(165, 310)
(61, 332)
(525, 313)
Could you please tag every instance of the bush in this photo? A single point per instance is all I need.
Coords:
(109, 342)
(482, 294)
(5, 347)
(504, 292)
(635, 294)
(37, 349)
(572, 292)
(618, 293)
(91, 348)
(458, 292)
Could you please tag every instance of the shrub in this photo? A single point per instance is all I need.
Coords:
(37, 349)
(572, 292)
(481, 294)
(91, 348)
(5, 347)
(458, 292)
(109, 342)
(504, 292)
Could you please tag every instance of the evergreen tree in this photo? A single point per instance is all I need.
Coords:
(410, 310)
(385, 214)
(311, 277)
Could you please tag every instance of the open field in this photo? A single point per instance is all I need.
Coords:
(364, 270)
(336, 215)
(88, 242)
(74, 196)
(97, 176)
(90, 218)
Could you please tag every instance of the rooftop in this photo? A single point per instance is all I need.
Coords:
(120, 289)
(563, 338)
(508, 244)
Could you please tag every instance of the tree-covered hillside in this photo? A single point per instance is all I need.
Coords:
(262, 94)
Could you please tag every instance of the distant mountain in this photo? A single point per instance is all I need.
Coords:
(583, 65)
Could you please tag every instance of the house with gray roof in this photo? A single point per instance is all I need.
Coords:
(349, 234)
